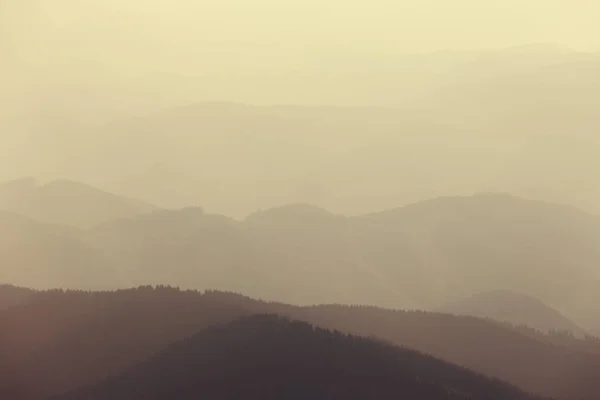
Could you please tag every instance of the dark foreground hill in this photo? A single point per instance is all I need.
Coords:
(60, 341)
(538, 363)
(268, 357)
(12, 295)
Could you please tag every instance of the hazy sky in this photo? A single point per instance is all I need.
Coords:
(151, 47)
(192, 37)
(307, 25)
(82, 60)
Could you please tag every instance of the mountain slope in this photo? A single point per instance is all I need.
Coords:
(419, 256)
(42, 255)
(12, 295)
(67, 203)
(267, 357)
(486, 242)
(515, 308)
(210, 251)
(60, 341)
(296, 253)
(534, 362)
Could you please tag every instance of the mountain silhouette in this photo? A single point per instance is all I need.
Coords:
(43, 255)
(493, 241)
(63, 340)
(12, 295)
(515, 308)
(67, 203)
(420, 256)
(269, 357)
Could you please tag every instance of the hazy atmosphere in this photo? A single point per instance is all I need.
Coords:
(194, 192)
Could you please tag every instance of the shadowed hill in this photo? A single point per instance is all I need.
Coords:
(67, 203)
(534, 362)
(60, 341)
(268, 357)
(11, 295)
(515, 308)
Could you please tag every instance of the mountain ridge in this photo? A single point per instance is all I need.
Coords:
(514, 308)
(67, 202)
(77, 338)
(267, 356)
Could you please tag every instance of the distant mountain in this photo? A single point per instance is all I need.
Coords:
(67, 202)
(164, 185)
(294, 214)
(191, 143)
(420, 256)
(300, 254)
(515, 308)
(179, 246)
(60, 341)
(269, 357)
(495, 241)
(349, 159)
(42, 255)
(455, 122)
(320, 258)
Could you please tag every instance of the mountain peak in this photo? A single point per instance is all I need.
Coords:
(67, 202)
